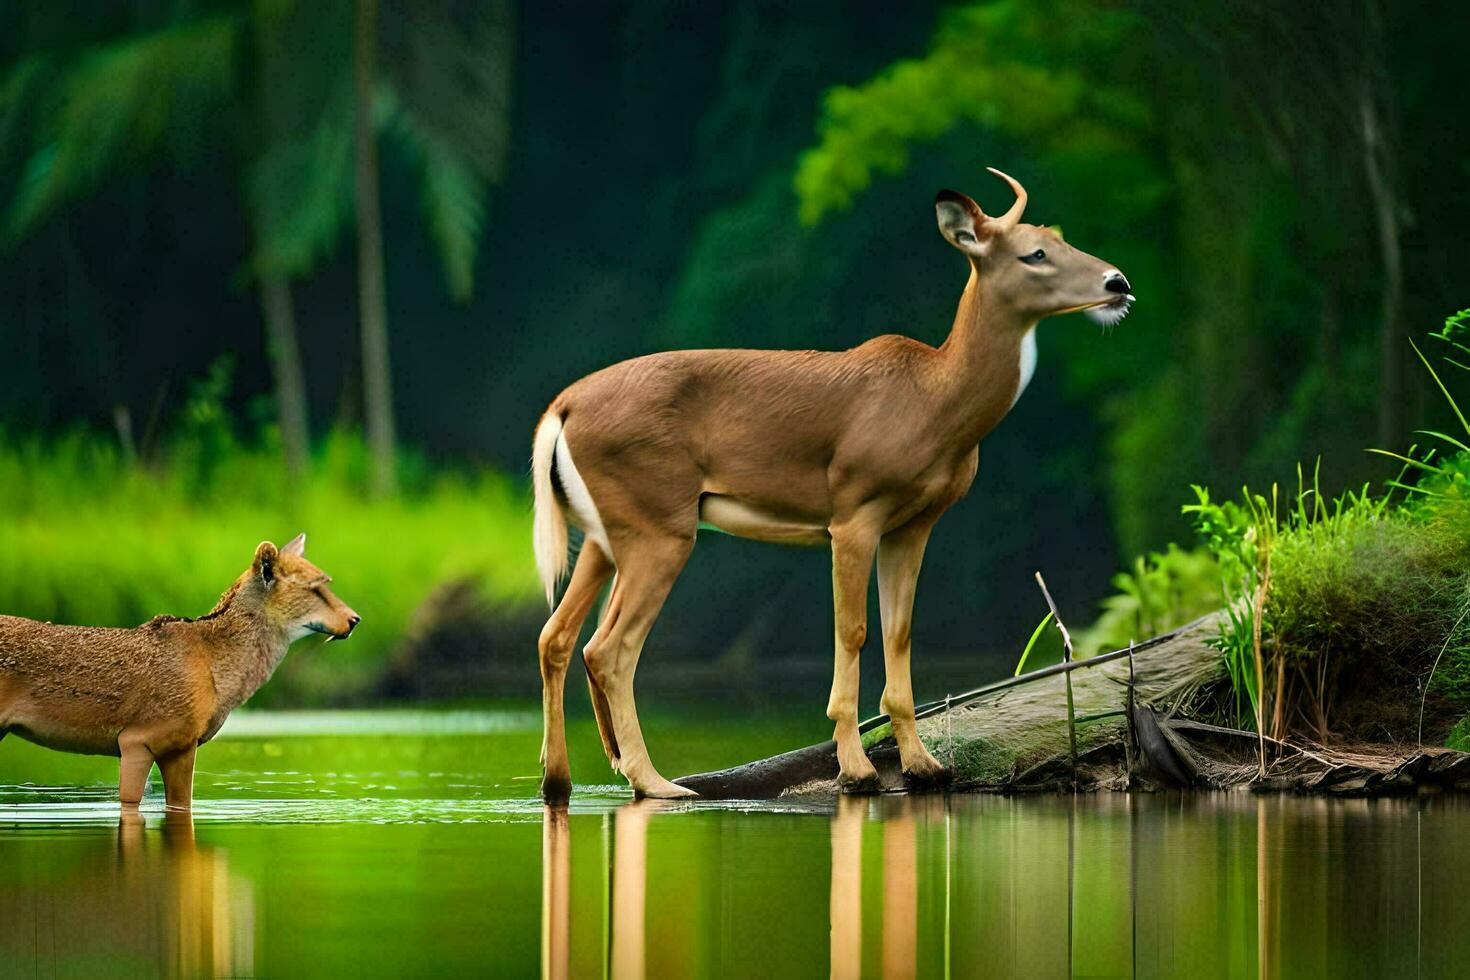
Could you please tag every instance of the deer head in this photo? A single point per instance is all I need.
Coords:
(1029, 268)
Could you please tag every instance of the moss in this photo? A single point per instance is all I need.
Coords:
(1361, 606)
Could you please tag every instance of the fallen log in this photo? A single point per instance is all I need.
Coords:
(1013, 736)
(992, 734)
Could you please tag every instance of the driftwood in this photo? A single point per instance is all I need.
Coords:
(994, 735)
(1013, 736)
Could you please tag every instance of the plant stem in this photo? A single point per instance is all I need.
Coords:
(1259, 609)
(1067, 654)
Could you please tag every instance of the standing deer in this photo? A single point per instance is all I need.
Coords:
(861, 450)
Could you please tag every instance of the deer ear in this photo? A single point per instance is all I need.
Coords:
(265, 562)
(296, 546)
(961, 222)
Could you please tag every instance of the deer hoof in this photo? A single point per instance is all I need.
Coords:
(859, 782)
(556, 788)
(662, 789)
(926, 768)
(936, 776)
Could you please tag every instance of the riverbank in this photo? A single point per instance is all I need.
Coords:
(1138, 722)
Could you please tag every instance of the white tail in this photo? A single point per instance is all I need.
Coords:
(550, 531)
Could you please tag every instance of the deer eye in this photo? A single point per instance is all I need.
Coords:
(1034, 258)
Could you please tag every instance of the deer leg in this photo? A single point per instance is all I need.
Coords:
(900, 554)
(558, 639)
(852, 563)
(134, 764)
(647, 569)
(178, 778)
(603, 713)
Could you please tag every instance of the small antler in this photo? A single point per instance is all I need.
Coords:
(1008, 220)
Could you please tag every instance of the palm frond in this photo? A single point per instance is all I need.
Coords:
(449, 79)
(300, 195)
(119, 101)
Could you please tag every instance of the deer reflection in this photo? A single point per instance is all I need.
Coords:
(899, 885)
(155, 902)
(556, 905)
(629, 890)
(847, 888)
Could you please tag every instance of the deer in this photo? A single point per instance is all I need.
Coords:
(155, 693)
(859, 450)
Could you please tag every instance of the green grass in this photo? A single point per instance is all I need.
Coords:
(1364, 625)
(88, 536)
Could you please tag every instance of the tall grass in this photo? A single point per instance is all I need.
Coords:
(89, 536)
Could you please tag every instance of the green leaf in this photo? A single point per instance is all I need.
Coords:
(1448, 397)
(1035, 634)
(120, 101)
(300, 196)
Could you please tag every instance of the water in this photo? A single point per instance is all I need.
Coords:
(411, 844)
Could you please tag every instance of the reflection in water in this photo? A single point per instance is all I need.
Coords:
(133, 902)
(1101, 885)
(630, 883)
(1207, 885)
(556, 904)
(900, 894)
(847, 888)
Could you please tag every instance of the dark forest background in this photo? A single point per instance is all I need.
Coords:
(215, 216)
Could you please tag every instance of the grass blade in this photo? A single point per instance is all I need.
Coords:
(1035, 634)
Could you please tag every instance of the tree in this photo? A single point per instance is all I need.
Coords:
(268, 83)
(1223, 131)
(377, 388)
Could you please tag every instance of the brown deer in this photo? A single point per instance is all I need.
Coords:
(157, 692)
(861, 450)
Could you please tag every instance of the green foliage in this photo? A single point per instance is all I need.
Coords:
(1218, 136)
(1018, 67)
(1240, 535)
(115, 104)
(447, 85)
(1459, 737)
(1161, 592)
(271, 82)
(1370, 596)
(300, 196)
(1035, 634)
(92, 538)
(1365, 597)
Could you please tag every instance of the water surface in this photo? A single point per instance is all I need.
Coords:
(381, 843)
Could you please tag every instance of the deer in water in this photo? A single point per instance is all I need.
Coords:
(157, 692)
(861, 450)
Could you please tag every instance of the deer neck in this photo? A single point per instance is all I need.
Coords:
(243, 650)
(986, 361)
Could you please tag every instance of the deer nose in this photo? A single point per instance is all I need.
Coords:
(1115, 282)
(352, 620)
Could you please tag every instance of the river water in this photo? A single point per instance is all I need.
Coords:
(411, 844)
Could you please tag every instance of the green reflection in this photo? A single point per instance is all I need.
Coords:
(453, 867)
